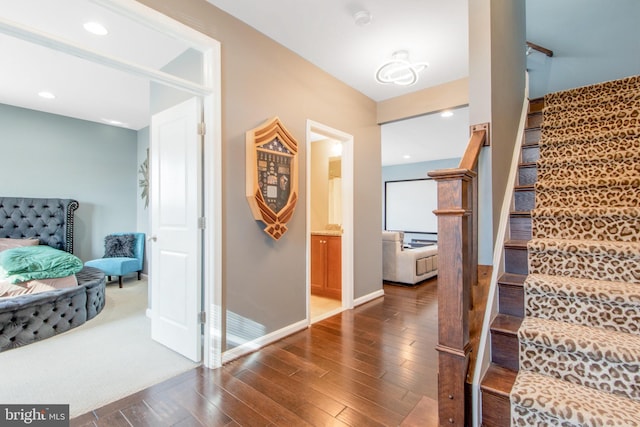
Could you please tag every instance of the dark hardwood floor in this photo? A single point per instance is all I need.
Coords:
(372, 366)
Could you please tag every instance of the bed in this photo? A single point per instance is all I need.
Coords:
(49, 311)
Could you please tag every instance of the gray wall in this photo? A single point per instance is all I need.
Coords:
(496, 96)
(264, 281)
(46, 155)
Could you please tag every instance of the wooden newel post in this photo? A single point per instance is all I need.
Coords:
(457, 262)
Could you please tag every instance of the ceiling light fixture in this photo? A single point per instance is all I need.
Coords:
(362, 17)
(446, 113)
(46, 95)
(96, 28)
(400, 70)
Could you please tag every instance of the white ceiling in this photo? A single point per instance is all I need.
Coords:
(323, 32)
(83, 90)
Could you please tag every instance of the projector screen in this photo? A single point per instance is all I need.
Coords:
(409, 205)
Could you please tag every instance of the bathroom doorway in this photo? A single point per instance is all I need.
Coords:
(329, 221)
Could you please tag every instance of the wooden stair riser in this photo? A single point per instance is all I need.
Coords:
(524, 199)
(516, 260)
(495, 389)
(496, 410)
(534, 120)
(530, 153)
(532, 136)
(505, 350)
(511, 300)
(527, 174)
(520, 226)
(536, 105)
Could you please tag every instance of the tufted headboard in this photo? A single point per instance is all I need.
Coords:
(49, 220)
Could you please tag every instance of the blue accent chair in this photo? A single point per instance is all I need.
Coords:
(120, 266)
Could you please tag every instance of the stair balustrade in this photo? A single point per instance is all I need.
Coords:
(457, 273)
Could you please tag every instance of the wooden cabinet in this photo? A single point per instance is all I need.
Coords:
(326, 266)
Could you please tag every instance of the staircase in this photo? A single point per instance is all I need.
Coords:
(566, 342)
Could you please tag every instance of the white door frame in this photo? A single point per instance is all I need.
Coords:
(347, 212)
(210, 91)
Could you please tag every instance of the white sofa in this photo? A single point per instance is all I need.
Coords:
(403, 265)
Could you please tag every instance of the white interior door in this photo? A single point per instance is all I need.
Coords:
(175, 265)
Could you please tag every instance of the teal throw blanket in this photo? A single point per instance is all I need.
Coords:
(37, 262)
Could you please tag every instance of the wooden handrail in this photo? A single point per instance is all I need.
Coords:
(541, 49)
(457, 273)
(470, 158)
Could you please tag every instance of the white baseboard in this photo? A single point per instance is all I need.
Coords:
(251, 346)
(369, 297)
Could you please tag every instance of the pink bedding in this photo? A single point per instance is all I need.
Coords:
(8, 289)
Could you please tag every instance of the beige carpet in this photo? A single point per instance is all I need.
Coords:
(107, 358)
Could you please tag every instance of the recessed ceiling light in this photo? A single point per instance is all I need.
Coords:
(46, 95)
(446, 114)
(406, 156)
(96, 28)
(113, 122)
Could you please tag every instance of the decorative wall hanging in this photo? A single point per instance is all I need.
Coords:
(272, 175)
(144, 180)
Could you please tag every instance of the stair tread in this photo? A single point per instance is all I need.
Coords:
(528, 164)
(521, 213)
(577, 288)
(498, 380)
(598, 343)
(571, 403)
(512, 279)
(525, 187)
(589, 247)
(631, 181)
(516, 244)
(586, 211)
(506, 324)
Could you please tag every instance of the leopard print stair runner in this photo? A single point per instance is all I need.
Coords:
(586, 259)
(591, 223)
(589, 94)
(578, 193)
(606, 104)
(624, 163)
(561, 350)
(613, 306)
(580, 338)
(540, 400)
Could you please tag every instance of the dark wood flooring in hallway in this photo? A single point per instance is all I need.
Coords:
(375, 365)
